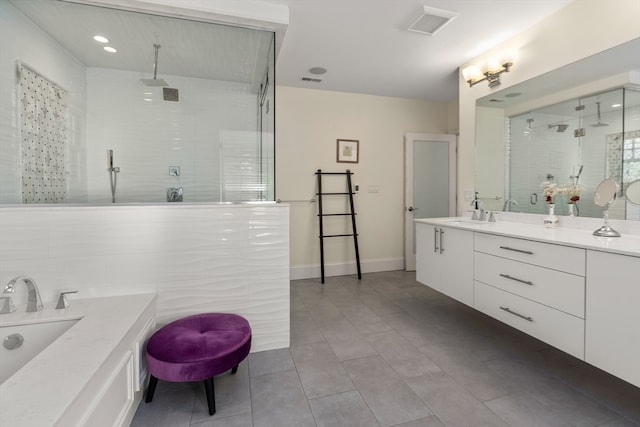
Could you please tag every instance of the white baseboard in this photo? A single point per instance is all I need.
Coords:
(344, 269)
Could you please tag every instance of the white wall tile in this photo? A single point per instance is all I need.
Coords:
(198, 258)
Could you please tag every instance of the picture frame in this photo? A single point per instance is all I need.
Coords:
(347, 151)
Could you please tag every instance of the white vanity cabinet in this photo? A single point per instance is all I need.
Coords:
(612, 339)
(444, 260)
(535, 287)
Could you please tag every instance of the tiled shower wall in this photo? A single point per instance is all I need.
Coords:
(198, 258)
(148, 134)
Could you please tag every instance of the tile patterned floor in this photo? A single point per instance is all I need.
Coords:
(388, 351)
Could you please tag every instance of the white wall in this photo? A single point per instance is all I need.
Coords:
(198, 258)
(581, 29)
(308, 123)
(22, 40)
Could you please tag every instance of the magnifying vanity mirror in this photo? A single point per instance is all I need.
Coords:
(632, 193)
(605, 194)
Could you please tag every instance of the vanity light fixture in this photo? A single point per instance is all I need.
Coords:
(474, 75)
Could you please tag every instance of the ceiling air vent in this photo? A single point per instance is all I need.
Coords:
(311, 79)
(432, 20)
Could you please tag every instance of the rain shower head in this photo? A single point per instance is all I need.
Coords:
(155, 81)
(599, 124)
(560, 127)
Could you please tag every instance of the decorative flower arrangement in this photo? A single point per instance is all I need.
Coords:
(550, 191)
(572, 192)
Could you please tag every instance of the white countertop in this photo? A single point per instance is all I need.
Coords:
(40, 392)
(628, 244)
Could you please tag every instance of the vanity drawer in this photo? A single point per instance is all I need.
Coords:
(561, 258)
(556, 289)
(554, 327)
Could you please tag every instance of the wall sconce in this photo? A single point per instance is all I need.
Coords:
(473, 75)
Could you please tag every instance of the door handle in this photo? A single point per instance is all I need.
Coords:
(435, 240)
(411, 209)
(441, 240)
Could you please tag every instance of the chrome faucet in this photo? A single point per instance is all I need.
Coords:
(508, 203)
(34, 303)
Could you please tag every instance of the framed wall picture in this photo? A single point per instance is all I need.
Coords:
(347, 151)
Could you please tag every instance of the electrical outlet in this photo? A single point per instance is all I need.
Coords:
(374, 189)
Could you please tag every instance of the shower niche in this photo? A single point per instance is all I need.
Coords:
(171, 91)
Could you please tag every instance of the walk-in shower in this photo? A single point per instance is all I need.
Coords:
(219, 129)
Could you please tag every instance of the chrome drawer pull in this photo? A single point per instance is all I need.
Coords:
(516, 250)
(435, 240)
(508, 310)
(526, 282)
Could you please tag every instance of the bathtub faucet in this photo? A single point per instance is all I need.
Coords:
(34, 303)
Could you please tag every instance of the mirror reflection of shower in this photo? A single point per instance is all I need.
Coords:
(113, 177)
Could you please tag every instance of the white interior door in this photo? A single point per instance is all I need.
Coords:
(430, 183)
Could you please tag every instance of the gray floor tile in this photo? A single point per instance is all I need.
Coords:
(431, 421)
(279, 400)
(523, 410)
(242, 420)
(364, 319)
(172, 405)
(345, 341)
(390, 399)
(270, 362)
(320, 372)
(340, 410)
(304, 329)
(232, 392)
(401, 355)
(451, 403)
(469, 371)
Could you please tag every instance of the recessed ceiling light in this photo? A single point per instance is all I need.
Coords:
(100, 39)
(110, 49)
(317, 70)
(513, 94)
(616, 105)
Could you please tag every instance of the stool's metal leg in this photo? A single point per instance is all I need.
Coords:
(153, 382)
(234, 370)
(211, 398)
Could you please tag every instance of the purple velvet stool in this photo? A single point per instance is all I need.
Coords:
(197, 348)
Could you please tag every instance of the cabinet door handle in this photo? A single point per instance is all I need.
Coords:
(435, 240)
(508, 310)
(507, 248)
(526, 282)
(441, 240)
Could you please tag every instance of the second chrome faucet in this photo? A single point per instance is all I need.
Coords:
(34, 302)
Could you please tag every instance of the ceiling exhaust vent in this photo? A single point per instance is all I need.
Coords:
(311, 79)
(432, 20)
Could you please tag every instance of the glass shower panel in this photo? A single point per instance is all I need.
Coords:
(601, 128)
(631, 146)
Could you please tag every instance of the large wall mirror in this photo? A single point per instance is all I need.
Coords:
(159, 110)
(574, 126)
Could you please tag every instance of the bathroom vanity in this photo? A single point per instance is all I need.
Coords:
(564, 286)
(92, 375)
